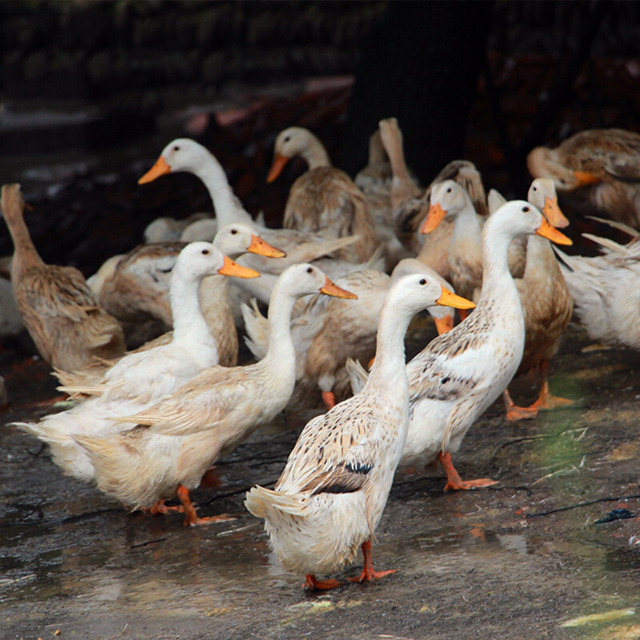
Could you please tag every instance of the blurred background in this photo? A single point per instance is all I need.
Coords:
(91, 92)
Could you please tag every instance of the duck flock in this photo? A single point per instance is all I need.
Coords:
(353, 263)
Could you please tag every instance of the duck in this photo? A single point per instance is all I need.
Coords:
(176, 441)
(546, 303)
(140, 379)
(308, 313)
(324, 199)
(461, 372)
(411, 210)
(376, 177)
(603, 164)
(333, 490)
(449, 199)
(137, 280)
(184, 154)
(151, 373)
(69, 327)
(349, 329)
(605, 289)
(143, 274)
(380, 182)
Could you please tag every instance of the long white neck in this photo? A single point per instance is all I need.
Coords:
(281, 348)
(388, 375)
(315, 154)
(188, 321)
(227, 206)
(497, 282)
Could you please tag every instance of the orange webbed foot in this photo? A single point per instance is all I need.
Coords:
(367, 576)
(521, 413)
(191, 517)
(160, 508)
(196, 522)
(464, 485)
(368, 572)
(313, 584)
(454, 482)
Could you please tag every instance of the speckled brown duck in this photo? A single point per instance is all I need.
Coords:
(63, 316)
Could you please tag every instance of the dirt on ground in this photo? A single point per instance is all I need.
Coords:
(530, 557)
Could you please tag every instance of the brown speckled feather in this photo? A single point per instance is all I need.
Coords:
(61, 313)
(147, 268)
(546, 303)
(335, 452)
(65, 319)
(325, 199)
(614, 151)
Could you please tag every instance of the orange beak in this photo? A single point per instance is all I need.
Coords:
(585, 177)
(433, 219)
(331, 289)
(444, 324)
(449, 299)
(276, 168)
(262, 248)
(553, 214)
(231, 268)
(160, 168)
(547, 231)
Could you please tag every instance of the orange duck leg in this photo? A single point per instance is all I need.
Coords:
(191, 517)
(368, 573)
(454, 482)
(545, 399)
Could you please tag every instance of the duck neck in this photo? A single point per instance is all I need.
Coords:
(467, 226)
(388, 374)
(497, 282)
(315, 154)
(281, 347)
(228, 208)
(188, 321)
(25, 252)
(539, 252)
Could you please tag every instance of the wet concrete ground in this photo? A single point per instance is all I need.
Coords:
(522, 559)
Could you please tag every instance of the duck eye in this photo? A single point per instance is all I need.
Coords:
(176, 148)
(233, 232)
(205, 252)
(286, 139)
(535, 188)
(449, 190)
(423, 281)
(525, 209)
(310, 270)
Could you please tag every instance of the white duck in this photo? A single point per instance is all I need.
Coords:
(187, 155)
(460, 373)
(179, 439)
(146, 279)
(606, 289)
(333, 490)
(546, 302)
(140, 379)
(150, 374)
